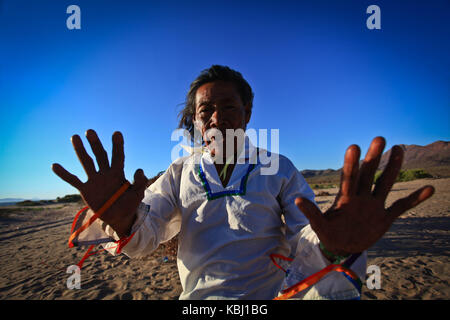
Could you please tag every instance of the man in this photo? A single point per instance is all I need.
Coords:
(229, 216)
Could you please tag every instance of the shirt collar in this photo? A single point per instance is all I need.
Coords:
(248, 151)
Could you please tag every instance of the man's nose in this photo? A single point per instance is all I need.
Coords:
(216, 118)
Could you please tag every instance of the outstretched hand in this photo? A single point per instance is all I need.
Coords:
(102, 184)
(358, 217)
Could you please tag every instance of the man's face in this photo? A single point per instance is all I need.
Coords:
(218, 105)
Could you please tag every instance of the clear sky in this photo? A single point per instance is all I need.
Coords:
(319, 75)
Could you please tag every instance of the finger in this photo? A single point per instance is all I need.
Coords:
(404, 204)
(83, 156)
(98, 150)
(118, 157)
(312, 213)
(350, 170)
(140, 180)
(370, 165)
(67, 176)
(390, 173)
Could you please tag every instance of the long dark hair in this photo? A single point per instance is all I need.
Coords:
(214, 73)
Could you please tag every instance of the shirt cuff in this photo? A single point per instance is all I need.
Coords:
(101, 233)
(144, 237)
(309, 260)
(98, 232)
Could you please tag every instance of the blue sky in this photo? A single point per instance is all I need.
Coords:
(319, 76)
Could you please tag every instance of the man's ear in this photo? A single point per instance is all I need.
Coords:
(248, 113)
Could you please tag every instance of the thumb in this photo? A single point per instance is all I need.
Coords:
(140, 180)
(311, 211)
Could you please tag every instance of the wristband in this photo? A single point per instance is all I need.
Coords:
(120, 243)
(335, 258)
(98, 213)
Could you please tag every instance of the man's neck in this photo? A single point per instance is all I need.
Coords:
(224, 171)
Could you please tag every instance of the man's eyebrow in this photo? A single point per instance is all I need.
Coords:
(208, 102)
(228, 100)
(204, 103)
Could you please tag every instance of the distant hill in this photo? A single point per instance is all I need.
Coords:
(434, 158)
(436, 154)
(318, 173)
(38, 202)
(11, 200)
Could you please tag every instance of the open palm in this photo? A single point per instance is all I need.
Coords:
(358, 217)
(102, 184)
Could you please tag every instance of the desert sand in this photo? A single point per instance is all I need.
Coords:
(413, 256)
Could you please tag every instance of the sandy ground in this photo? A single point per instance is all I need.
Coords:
(413, 257)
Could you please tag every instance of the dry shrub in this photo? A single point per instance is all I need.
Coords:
(171, 247)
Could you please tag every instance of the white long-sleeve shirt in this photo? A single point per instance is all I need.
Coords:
(226, 234)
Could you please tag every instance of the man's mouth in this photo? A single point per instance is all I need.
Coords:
(215, 135)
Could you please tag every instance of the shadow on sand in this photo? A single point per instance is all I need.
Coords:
(414, 236)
